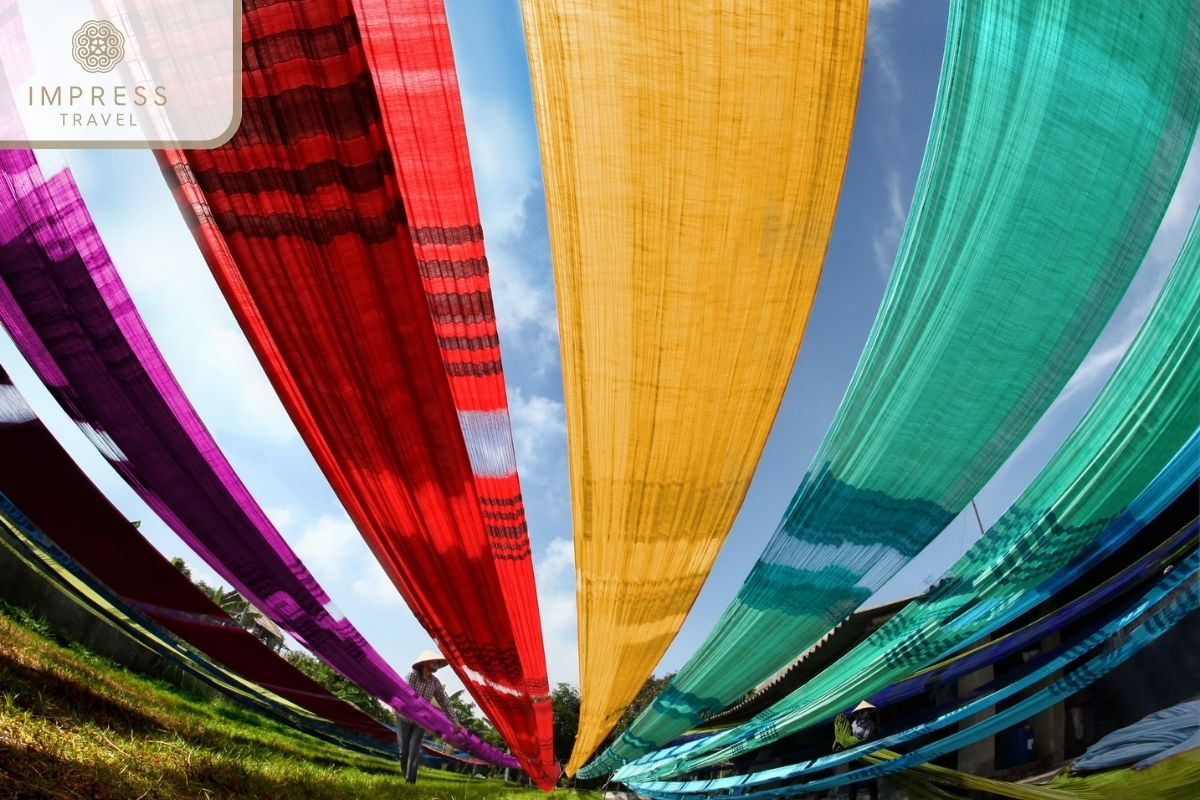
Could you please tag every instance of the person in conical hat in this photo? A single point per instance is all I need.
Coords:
(862, 725)
(429, 658)
(409, 735)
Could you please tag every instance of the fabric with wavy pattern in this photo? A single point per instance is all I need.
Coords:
(1134, 452)
(1059, 134)
(70, 315)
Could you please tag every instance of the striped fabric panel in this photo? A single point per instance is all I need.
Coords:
(41, 486)
(1171, 600)
(1058, 137)
(304, 222)
(69, 313)
(407, 44)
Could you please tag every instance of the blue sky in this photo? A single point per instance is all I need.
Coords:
(200, 340)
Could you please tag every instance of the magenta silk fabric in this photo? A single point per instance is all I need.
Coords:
(70, 315)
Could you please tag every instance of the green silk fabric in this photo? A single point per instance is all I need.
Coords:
(1088, 498)
(1059, 133)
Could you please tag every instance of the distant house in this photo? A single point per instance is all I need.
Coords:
(252, 619)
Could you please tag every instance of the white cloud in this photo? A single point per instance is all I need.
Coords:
(283, 518)
(1098, 365)
(555, 572)
(881, 56)
(333, 550)
(505, 169)
(1179, 214)
(882, 62)
(1145, 287)
(1127, 319)
(525, 311)
(327, 546)
(157, 259)
(886, 240)
(539, 433)
(374, 585)
(227, 365)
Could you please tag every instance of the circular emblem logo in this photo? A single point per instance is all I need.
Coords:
(98, 46)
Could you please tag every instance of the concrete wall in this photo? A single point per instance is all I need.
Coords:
(26, 587)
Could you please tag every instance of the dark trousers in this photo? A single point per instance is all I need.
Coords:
(410, 737)
(868, 785)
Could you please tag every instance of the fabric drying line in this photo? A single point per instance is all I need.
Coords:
(32, 549)
(1032, 212)
(45, 491)
(1136, 449)
(690, 195)
(303, 220)
(71, 316)
(1175, 596)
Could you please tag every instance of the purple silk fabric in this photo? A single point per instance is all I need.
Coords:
(70, 315)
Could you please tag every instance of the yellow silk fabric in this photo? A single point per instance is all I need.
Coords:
(693, 154)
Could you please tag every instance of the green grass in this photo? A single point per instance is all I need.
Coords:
(74, 725)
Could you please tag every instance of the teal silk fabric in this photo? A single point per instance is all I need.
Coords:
(1134, 451)
(1059, 133)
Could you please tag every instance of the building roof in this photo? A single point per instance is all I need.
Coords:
(832, 646)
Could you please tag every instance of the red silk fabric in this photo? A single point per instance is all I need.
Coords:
(407, 43)
(303, 219)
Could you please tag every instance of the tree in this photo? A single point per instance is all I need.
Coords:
(564, 701)
(641, 701)
(181, 565)
(213, 593)
(323, 674)
(480, 726)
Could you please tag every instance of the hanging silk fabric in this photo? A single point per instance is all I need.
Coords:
(22, 542)
(1176, 593)
(692, 156)
(303, 222)
(1058, 137)
(1135, 451)
(41, 486)
(1006, 686)
(407, 44)
(70, 315)
(949, 670)
(825, 695)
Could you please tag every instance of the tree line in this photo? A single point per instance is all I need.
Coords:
(564, 699)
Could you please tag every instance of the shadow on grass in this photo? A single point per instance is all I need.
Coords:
(31, 772)
(47, 695)
(35, 772)
(76, 700)
(84, 728)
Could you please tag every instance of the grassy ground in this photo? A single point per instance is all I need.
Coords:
(73, 725)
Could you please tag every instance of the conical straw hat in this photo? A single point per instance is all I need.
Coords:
(431, 658)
